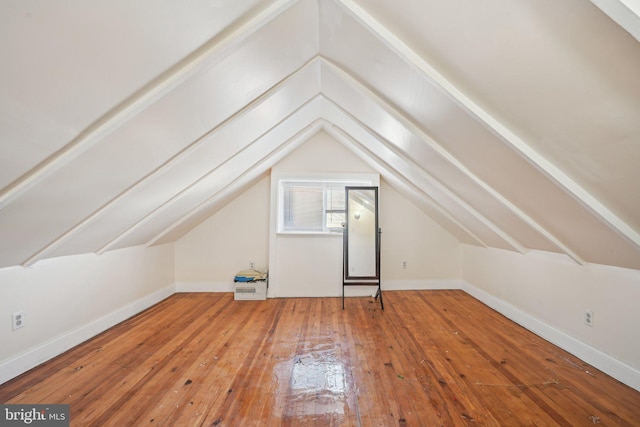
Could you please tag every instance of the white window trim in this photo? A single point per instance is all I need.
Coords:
(349, 179)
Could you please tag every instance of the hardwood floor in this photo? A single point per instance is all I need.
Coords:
(432, 358)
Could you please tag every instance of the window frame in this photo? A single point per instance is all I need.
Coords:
(325, 181)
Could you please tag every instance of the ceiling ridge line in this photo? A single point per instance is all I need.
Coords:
(434, 182)
(277, 153)
(185, 190)
(414, 128)
(132, 105)
(503, 132)
(168, 164)
(378, 163)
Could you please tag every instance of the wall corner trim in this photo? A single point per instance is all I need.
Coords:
(33, 357)
(606, 363)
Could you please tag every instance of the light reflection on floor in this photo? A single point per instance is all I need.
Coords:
(312, 387)
(318, 377)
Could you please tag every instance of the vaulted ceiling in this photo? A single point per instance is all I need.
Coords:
(514, 125)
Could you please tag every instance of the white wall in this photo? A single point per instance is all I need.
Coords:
(209, 256)
(549, 293)
(312, 265)
(302, 265)
(67, 300)
(433, 256)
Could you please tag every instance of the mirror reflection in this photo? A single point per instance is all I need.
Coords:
(362, 233)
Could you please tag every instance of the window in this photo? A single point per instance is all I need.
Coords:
(313, 206)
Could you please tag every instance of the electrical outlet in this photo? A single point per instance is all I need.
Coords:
(252, 264)
(588, 317)
(17, 320)
(404, 265)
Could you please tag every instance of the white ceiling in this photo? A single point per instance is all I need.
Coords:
(514, 125)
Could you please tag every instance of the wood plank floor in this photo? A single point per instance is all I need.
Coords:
(432, 358)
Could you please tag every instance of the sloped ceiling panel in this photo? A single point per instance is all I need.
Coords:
(625, 13)
(405, 186)
(500, 121)
(409, 190)
(429, 157)
(257, 158)
(560, 76)
(448, 202)
(145, 142)
(246, 177)
(195, 162)
(474, 143)
(66, 65)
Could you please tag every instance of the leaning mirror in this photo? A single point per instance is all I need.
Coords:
(361, 238)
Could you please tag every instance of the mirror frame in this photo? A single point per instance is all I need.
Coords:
(347, 275)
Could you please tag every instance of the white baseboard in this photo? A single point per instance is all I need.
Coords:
(414, 285)
(33, 357)
(204, 287)
(604, 362)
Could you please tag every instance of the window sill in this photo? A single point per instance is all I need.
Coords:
(309, 233)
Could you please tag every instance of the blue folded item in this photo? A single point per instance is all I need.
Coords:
(250, 276)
